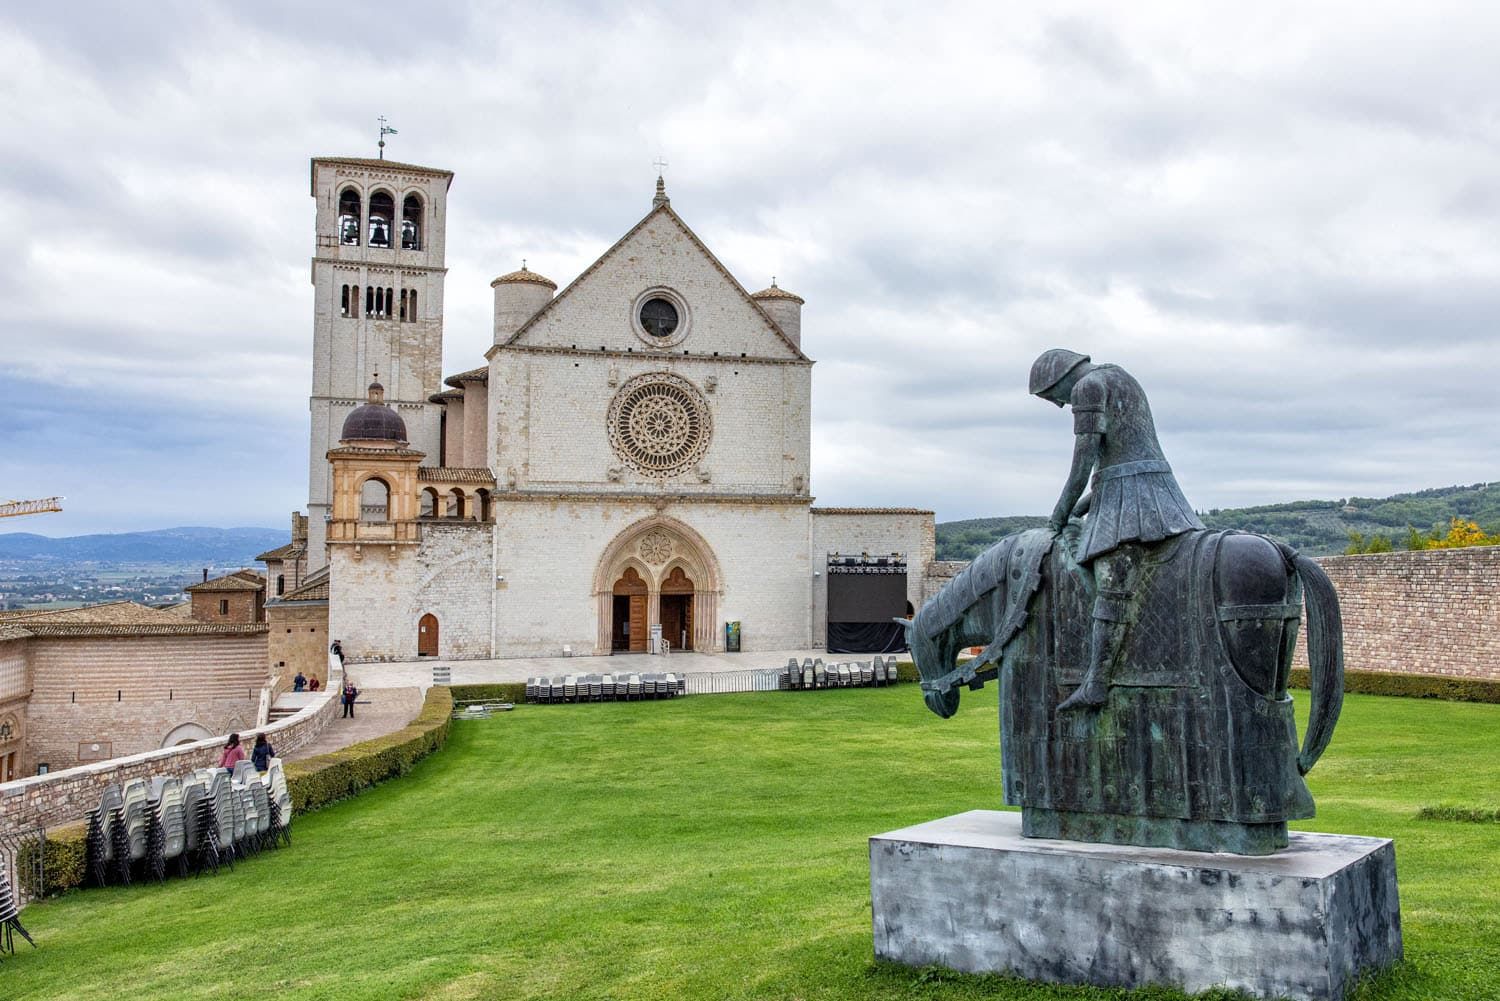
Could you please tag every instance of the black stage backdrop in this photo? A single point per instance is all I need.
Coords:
(860, 609)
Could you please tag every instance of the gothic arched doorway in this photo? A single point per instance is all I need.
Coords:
(427, 636)
(628, 628)
(674, 582)
(677, 609)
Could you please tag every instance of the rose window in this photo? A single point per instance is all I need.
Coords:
(659, 424)
(656, 549)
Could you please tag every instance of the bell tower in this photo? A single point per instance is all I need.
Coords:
(377, 272)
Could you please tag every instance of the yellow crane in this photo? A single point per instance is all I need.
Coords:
(14, 509)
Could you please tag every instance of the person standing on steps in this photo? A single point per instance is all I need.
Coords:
(1134, 500)
(350, 694)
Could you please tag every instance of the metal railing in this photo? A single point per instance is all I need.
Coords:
(726, 682)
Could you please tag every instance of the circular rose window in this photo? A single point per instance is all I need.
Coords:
(659, 424)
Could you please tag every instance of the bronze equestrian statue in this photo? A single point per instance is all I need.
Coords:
(1143, 660)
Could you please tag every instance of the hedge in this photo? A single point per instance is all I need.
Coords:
(327, 778)
(64, 861)
(1462, 814)
(513, 691)
(1412, 686)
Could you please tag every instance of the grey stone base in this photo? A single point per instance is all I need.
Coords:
(970, 893)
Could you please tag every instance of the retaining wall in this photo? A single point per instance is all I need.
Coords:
(66, 796)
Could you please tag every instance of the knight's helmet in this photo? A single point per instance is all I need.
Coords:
(1052, 367)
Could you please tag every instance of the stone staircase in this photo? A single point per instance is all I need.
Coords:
(290, 704)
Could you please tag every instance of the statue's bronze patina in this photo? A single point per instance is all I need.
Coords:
(1143, 660)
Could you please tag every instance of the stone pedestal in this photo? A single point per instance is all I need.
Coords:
(968, 892)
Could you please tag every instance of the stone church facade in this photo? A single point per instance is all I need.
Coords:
(634, 453)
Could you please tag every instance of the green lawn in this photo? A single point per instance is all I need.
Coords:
(713, 847)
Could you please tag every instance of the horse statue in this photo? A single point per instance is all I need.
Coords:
(1196, 744)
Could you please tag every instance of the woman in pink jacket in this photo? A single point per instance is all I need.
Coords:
(233, 754)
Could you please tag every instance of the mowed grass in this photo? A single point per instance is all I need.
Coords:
(712, 847)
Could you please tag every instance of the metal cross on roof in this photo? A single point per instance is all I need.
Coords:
(659, 164)
(385, 130)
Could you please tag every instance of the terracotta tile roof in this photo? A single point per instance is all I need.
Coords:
(480, 374)
(524, 276)
(315, 588)
(230, 582)
(777, 293)
(446, 395)
(869, 510)
(182, 610)
(361, 161)
(113, 613)
(12, 633)
(289, 551)
(174, 627)
(251, 575)
(454, 474)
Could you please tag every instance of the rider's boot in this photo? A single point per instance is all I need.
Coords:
(1108, 632)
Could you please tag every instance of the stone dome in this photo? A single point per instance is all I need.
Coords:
(528, 277)
(375, 421)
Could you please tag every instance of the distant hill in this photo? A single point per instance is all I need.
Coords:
(206, 546)
(1318, 528)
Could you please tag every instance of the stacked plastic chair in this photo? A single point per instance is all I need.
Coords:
(279, 796)
(10, 917)
(94, 848)
(168, 841)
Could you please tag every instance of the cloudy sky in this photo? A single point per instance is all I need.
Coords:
(1285, 224)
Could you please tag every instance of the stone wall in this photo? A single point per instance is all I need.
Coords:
(297, 640)
(234, 608)
(377, 600)
(127, 692)
(63, 797)
(1431, 612)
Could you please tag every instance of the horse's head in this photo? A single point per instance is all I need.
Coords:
(924, 653)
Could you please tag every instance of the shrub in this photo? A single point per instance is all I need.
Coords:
(514, 691)
(316, 782)
(1412, 686)
(64, 861)
(1462, 814)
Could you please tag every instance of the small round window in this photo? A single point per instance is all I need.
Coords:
(659, 317)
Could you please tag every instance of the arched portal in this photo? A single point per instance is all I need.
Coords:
(427, 636)
(628, 613)
(682, 586)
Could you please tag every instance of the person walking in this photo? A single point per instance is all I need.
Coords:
(262, 753)
(350, 694)
(233, 754)
(299, 683)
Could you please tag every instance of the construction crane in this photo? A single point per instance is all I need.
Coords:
(14, 509)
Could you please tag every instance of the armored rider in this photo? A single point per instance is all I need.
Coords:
(1134, 500)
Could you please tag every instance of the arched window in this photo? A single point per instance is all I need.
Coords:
(353, 300)
(369, 300)
(344, 302)
(390, 302)
(349, 217)
(411, 223)
(280, 584)
(382, 213)
(486, 511)
(411, 305)
(455, 503)
(403, 305)
(374, 500)
(429, 503)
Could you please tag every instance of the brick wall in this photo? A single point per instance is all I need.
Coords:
(63, 797)
(236, 608)
(1431, 612)
(127, 693)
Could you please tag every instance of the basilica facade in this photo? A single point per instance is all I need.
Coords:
(629, 465)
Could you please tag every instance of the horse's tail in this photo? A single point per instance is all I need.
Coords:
(1325, 660)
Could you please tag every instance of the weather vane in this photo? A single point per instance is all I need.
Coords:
(385, 130)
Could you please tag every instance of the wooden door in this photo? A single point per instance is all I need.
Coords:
(677, 609)
(427, 636)
(632, 588)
